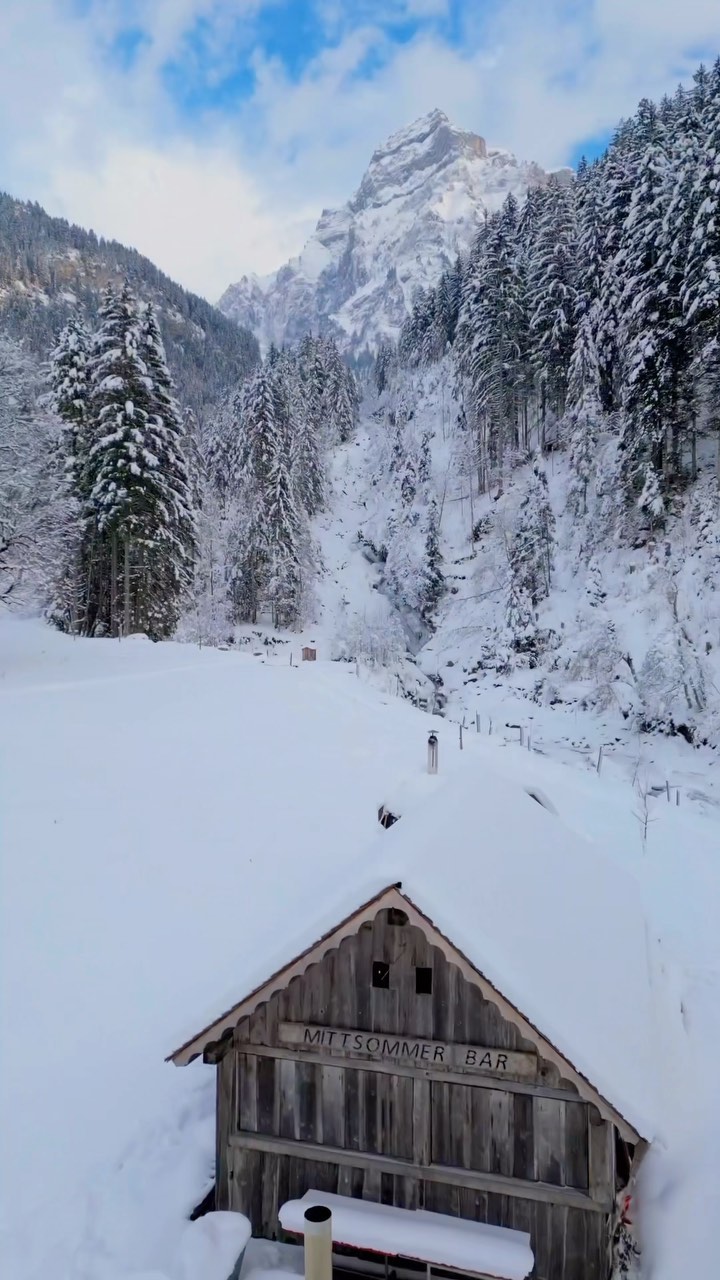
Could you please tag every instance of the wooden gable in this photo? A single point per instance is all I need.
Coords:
(214, 1036)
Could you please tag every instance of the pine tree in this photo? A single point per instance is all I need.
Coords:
(383, 365)
(701, 286)
(70, 394)
(520, 618)
(305, 430)
(531, 546)
(618, 179)
(70, 397)
(119, 405)
(432, 583)
(494, 323)
(167, 563)
(284, 542)
(341, 396)
(591, 266)
(647, 327)
(33, 505)
(581, 420)
(408, 475)
(553, 295)
(424, 459)
(256, 409)
(594, 589)
(139, 501)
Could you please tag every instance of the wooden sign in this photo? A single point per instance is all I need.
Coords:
(429, 1053)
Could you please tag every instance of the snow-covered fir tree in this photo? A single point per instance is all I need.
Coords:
(531, 549)
(285, 541)
(256, 408)
(34, 511)
(70, 395)
(553, 294)
(70, 398)
(139, 508)
(583, 414)
(432, 579)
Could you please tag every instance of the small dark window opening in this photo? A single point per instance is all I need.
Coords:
(624, 1152)
(423, 981)
(397, 917)
(381, 974)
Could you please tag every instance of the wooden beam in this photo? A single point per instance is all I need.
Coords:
(497, 1183)
(417, 1073)
(601, 1158)
(422, 1137)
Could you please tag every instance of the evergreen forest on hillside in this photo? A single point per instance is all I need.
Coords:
(583, 326)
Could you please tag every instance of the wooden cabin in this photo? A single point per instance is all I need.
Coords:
(382, 1064)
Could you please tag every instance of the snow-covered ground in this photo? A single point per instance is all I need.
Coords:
(147, 790)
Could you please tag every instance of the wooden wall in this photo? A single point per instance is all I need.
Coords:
(534, 1156)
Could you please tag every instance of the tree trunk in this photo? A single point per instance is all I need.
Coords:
(126, 588)
(113, 583)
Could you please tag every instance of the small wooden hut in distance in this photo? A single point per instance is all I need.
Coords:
(474, 1038)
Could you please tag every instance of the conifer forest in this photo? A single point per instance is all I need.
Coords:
(581, 328)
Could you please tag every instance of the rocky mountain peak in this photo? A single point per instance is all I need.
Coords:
(424, 147)
(420, 202)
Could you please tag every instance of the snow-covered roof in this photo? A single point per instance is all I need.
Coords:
(552, 924)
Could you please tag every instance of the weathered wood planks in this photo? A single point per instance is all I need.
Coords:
(319, 1091)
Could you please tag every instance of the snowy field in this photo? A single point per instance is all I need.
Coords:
(152, 794)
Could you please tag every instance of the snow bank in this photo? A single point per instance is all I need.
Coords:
(212, 1247)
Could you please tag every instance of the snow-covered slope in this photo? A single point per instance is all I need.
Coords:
(632, 633)
(421, 200)
(154, 796)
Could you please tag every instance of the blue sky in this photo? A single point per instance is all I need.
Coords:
(210, 133)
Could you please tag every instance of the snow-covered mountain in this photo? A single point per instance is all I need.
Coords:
(421, 200)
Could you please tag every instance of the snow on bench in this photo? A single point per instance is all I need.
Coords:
(433, 1238)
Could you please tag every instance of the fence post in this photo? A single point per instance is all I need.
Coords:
(432, 765)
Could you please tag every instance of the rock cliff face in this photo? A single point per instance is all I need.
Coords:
(423, 196)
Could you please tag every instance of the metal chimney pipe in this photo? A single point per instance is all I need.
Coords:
(318, 1243)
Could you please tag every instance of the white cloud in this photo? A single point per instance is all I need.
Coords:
(210, 199)
(191, 210)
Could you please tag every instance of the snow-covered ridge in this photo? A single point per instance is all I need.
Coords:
(424, 194)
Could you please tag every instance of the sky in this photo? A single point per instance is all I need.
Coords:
(210, 134)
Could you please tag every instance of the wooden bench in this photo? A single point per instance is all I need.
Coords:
(435, 1239)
